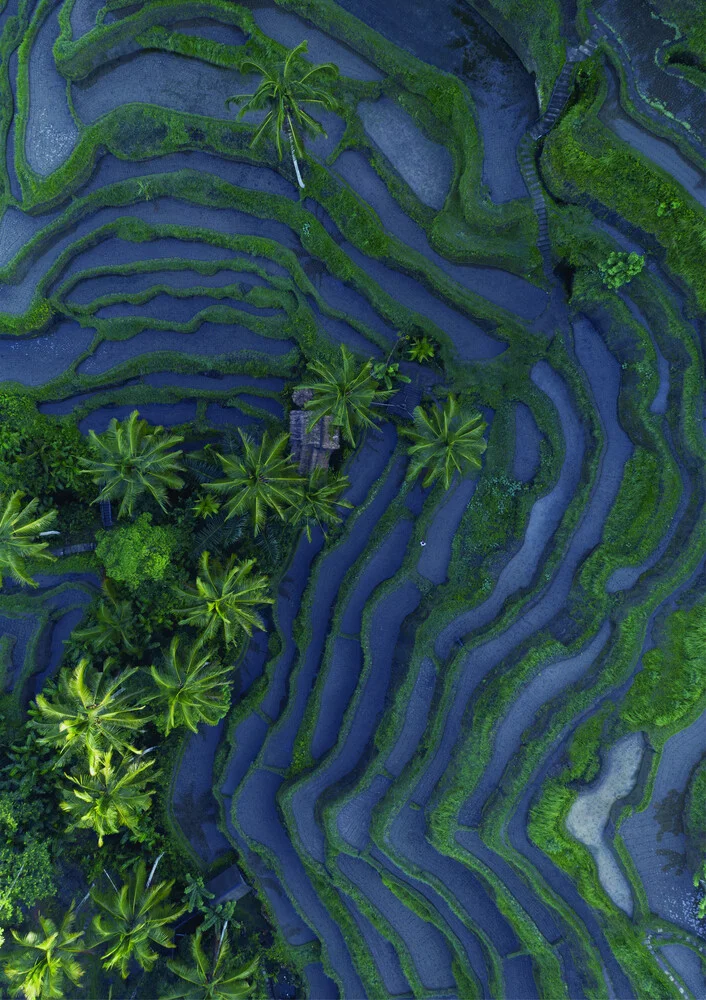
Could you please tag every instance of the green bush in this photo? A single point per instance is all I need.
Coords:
(620, 267)
(138, 552)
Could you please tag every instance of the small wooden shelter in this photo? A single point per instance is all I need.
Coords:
(310, 449)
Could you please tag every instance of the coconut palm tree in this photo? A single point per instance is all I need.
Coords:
(346, 393)
(41, 961)
(132, 459)
(264, 479)
(212, 978)
(19, 529)
(224, 598)
(190, 688)
(132, 918)
(88, 711)
(113, 627)
(319, 501)
(282, 90)
(110, 797)
(444, 441)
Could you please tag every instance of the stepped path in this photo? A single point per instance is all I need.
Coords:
(444, 673)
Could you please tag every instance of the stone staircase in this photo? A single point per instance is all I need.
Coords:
(526, 148)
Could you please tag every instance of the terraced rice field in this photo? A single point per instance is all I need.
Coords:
(436, 774)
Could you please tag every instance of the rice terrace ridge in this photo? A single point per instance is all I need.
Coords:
(352, 499)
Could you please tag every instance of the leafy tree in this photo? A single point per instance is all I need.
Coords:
(190, 688)
(421, 349)
(283, 90)
(113, 626)
(109, 797)
(319, 501)
(444, 441)
(620, 267)
(38, 453)
(18, 530)
(132, 459)
(43, 960)
(138, 551)
(89, 712)
(224, 599)
(347, 393)
(26, 870)
(264, 479)
(212, 978)
(133, 918)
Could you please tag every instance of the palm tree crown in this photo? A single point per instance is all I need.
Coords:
(88, 711)
(113, 626)
(131, 918)
(283, 89)
(263, 479)
(444, 442)
(133, 458)
(214, 979)
(191, 689)
(110, 798)
(346, 393)
(40, 962)
(319, 501)
(18, 530)
(224, 599)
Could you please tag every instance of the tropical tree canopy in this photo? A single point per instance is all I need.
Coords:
(262, 480)
(347, 393)
(190, 688)
(113, 628)
(133, 918)
(320, 501)
(88, 711)
(224, 599)
(18, 530)
(444, 441)
(213, 978)
(132, 459)
(41, 961)
(283, 90)
(110, 798)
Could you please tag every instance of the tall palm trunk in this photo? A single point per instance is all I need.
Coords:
(290, 135)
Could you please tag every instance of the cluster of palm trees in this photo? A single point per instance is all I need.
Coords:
(132, 460)
(93, 717)
(129, 920)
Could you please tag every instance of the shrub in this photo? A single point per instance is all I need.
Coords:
(620, 267)
(137, 552)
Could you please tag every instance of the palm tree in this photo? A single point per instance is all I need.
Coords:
(18, 530)
(224, 598)
(113, 627)
(444, 442)
(131, 918)
(345, 393)
(88, 711)
(191, 689)
(263, 480)
(133, 458)
(283, 89)
(319, 500)
(214, 979)
(109, 797)
(421, 349)
(40, 962)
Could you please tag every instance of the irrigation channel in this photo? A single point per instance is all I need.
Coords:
(438, 776)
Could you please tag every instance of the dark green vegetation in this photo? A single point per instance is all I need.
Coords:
(367, 430)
